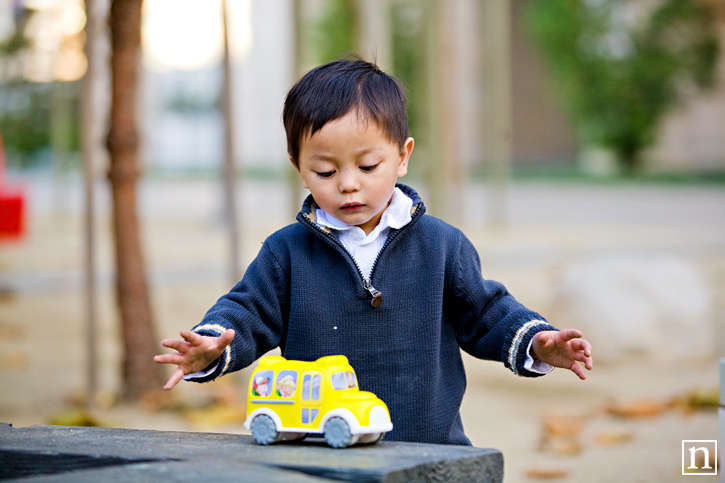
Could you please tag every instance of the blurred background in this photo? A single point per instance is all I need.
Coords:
(579, 144)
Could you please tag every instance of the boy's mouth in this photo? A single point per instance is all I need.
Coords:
(351, 207)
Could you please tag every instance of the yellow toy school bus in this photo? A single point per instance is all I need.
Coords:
(291, 399)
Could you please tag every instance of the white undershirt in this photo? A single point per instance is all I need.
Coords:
(365, 248)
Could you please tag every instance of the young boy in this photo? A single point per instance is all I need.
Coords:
(366, 274)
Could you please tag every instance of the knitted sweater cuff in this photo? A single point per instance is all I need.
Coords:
(222, 364)
(517, 341)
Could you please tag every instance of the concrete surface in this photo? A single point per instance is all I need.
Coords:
(106, 454)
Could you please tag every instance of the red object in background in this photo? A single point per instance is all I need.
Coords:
(11, 214)
(12, 204)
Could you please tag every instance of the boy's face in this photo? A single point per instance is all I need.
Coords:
(351, 168)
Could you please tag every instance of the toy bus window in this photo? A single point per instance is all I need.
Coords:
(351, 379)
(343, 380)
(339, 380)
(316, 379)
(286, 383)
(262, 383)
(309, 415)
(306, 387)
(311, 386)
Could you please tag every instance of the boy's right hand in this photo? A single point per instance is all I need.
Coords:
(194, 353)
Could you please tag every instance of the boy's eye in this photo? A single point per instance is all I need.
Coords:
(325, 174)
(368, 169)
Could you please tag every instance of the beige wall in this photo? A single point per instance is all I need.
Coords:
(693, 136)
(541, 131)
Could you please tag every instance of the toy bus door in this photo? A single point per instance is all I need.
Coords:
(311, 397)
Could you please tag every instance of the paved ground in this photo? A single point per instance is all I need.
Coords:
(42, 345)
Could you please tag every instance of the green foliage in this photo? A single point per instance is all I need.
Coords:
(408, 27)
(620, 67)
(35, 118)
(16, 42)
(334, 34)
(26, 120)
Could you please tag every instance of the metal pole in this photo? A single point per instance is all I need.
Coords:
(90, 151)
(433, 123)
(295, 185)
(230, 171)
(445, 170)
(497, 109)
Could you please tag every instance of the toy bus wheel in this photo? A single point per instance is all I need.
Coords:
(264, 430)
(337, 433)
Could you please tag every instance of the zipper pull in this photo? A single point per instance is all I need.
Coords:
(377, 296)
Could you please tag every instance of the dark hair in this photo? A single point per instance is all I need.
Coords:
(330, 91)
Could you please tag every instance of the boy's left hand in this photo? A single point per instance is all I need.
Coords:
(563, 349)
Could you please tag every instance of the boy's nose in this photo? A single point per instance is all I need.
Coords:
(348, 181)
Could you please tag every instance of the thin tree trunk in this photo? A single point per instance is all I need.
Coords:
(90, 150)
(230, 152)
(140, 373)
(497, 106)
(298, 67)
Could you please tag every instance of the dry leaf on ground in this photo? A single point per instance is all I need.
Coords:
(640, 408)
(613, 438)
(547, 473)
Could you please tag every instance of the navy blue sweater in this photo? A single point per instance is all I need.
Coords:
(304, 294)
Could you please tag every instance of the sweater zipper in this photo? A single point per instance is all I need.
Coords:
(377, 296)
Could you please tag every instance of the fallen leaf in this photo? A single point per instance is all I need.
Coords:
(563, 445)
(75, 418)
(562, 424)
(560, 433)
(547, 473)
(9, 332)
(640, 408)
(13, 360)
(703, 398)
(609, 439)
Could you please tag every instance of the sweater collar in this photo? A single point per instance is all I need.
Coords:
(395, 216)
(309, 206)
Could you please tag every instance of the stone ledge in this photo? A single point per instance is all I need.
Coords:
(61, 453)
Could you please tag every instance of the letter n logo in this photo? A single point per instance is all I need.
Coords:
(699, 457)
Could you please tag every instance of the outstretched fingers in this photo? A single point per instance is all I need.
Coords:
(177, 345)
(577, 369)
(569, 334)
(192, 337)
(576, 352)
(175, 378)
(193, 353)
(226, 338)
(171, 358)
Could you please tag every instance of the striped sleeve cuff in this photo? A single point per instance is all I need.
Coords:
(219, 368)
(519, 349)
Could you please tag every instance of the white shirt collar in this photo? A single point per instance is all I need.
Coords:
(395, 216)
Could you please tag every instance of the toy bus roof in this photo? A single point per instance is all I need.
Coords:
(327, 362)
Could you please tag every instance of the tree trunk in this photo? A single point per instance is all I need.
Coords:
(140, 373)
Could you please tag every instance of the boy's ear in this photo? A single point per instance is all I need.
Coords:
(405, 156)
(297, 167)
